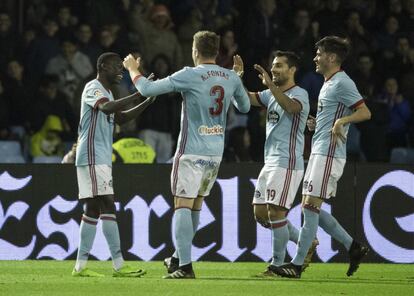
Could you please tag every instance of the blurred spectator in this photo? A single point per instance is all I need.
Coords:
(18, 95)
(330, 18)
(157, 35)
(109, 42)
(228, 48)
(72, 67)
(4, 115)
(160, 121)
(407, 21)
(132, 150)
(301, 38)
(86, 44)
(66, 21)
(51, 101)
(192, 23)
(42, 49)
(258, 31)
(356, 33)
(47, 141)
(386, 38)
(365, 77)
(399, 114)
(10, 42)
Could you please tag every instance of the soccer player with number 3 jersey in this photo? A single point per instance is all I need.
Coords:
(339, 104)
(207, 92)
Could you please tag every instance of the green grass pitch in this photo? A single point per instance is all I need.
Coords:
(54, 278)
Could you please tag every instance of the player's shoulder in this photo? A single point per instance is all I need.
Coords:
(93, 84)
(344, 81)
(299, 91)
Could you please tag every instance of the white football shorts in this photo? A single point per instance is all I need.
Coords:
(94, 180)
(322, 176)
(194, 175)
(277, 186)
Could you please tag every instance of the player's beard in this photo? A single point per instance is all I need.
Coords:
(280, 80)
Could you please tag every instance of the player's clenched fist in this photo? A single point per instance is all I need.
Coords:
(131, 63)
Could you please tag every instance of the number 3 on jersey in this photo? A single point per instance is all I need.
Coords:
(218, 92)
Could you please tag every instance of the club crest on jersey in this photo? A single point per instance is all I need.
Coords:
(97, 93)
(273, 117)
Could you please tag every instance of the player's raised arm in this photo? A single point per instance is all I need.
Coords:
(110, 107)
(238, 67)
(146, 87)
(289, 105)
(122, 117)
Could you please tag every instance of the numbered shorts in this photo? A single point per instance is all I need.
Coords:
(322, 175)
(194, 175)
(94, 180)
(277, 186)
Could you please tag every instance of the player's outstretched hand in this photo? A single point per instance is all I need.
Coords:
(130, 63)
(264, 76)
(311, 123)
(238, 66)
(338, 131)
(151, 76)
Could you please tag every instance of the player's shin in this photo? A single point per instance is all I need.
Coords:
(111, 233)
(307, 233)
(183, 234)
(280, 238)
(334, 229)
(293, 232)
(87, 236)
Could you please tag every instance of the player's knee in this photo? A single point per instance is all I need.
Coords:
(198, 203)
(92, 209)
(276, 213)
(261, 216)
(181, 202)
(312, 203)
(107, 204)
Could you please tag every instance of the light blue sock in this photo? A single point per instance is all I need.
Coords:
(293, 232)
(183, 234)
(195, 217)
(307, 234)
(280, 238)
(111, 233)
(87, 234)
(334, 229)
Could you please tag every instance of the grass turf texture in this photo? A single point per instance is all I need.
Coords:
(54, 278)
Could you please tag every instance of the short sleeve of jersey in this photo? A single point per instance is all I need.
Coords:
(181, 79)
(94, 95)
(300, 95)
(264, 97)
(349, 94)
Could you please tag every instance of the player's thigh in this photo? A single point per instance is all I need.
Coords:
(322, 175)
(281, 186)
(210, 166)
(186, 177)
(94, 180)
(107, 204)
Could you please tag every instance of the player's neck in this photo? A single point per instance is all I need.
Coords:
(206, 61)
(104, 82)
(288, 85)
(331, 72)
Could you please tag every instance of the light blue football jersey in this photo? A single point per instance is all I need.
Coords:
(95, 132)
(285, 132)
(207, 92)
(337, 98)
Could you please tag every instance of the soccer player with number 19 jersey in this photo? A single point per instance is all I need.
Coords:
(339, 104)
(207, 92)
